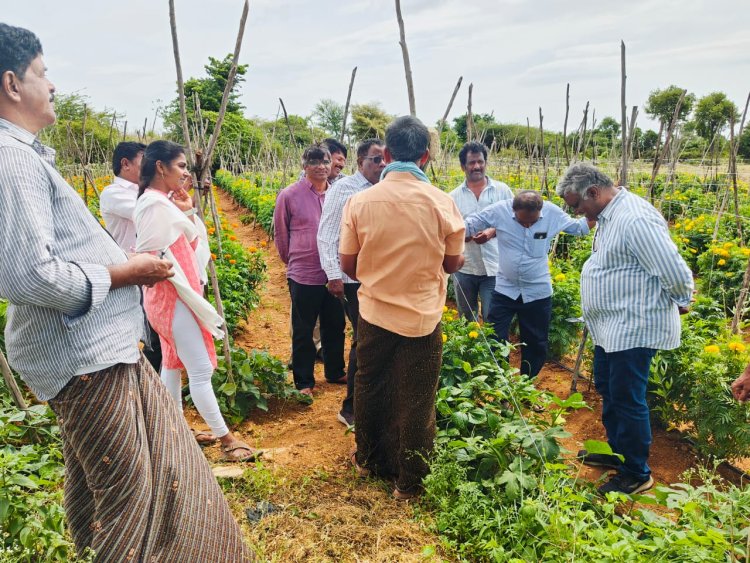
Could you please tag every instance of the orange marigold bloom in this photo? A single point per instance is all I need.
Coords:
(233, 261)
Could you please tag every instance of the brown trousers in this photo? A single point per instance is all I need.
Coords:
(394, 402)
(137, 486)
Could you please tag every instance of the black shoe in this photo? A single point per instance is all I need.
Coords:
(625, 484)
(599, 460)
(345, 418)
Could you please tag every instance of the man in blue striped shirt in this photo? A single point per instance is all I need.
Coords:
(524, 228)
(634, 287)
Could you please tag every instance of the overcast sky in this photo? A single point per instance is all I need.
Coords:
(518, 54)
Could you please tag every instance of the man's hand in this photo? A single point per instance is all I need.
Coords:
(483, 236)
(336, 288)
(141, 269)
(741, 386)
(683, 310)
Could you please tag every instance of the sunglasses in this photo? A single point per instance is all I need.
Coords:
(376, 159)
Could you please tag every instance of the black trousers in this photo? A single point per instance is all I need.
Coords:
(152, 351)
(308, 303)
(533, 321)
(351, 307)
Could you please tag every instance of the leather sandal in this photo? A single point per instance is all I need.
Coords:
(203, 437)
(234, 446)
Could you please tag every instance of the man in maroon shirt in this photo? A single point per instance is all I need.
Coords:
(296, 219)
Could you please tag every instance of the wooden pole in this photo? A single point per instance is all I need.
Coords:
(624, 125)
(180, 85)
(346, 107)
(407, 64)
(288, 125)
(660, 157)
(10, 381)
(565, 125)
(450, 105)
(469, 119)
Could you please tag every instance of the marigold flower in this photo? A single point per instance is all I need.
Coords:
(445, 308)
(736, 347)
(235, 225)
(711, 349)
(213, 256)
(211, 231)
(227, 256)
(253, 249)
(745, 251)
(232, 237)
(263, 244)
(473, 334)
(721, 262)
(560, 277)
(445, 339)
(233, 261)
(728, 244)
(693, 250)
(724, 253)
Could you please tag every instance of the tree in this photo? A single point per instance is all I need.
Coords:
(743, 149)
(328, 114)
(369, 120)
(608, 132)
(662, 103)
(482, 122)
(712, 113)
(211, 89)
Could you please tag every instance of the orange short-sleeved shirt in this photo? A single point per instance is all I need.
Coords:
(401, 229)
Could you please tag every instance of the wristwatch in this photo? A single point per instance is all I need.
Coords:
(190, 212)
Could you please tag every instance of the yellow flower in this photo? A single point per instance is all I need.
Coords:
(711, 349)
(474, 325)
(445, 310)
(745, 251)
(233, 261)
(253, 249)
(213, 256)
(473, 334)
(736, 347)
(688, 227)
(721, 262)
(211, 231)
(728, 245)
(445, 339)
(693, 250)
(227, 256)
(263, 244)
(677, 225)
(686, 240)
(560, 277)
(232, 237)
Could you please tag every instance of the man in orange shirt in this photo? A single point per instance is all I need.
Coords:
(399, 239)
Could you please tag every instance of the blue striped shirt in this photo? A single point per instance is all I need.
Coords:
(480, 259)
(635, 279)
(62, 315)
(523, 267)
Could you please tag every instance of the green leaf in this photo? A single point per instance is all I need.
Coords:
(599, 447)
(228, 389)
(22, 481)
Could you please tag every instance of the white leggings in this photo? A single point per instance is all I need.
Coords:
(188, 342)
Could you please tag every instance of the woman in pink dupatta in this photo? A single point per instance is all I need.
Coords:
(166, 225)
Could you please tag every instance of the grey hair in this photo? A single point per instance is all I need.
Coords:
(579, 177)
(407, 138)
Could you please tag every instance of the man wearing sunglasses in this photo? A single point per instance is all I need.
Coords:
(370, 163)
(476, 280)
(634, 287)
(296, 219)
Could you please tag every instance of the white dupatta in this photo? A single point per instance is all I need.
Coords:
(158, 224)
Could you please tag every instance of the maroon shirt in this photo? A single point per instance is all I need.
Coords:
(296, 219)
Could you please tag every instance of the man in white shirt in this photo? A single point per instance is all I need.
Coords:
(476, 280)
(117, 201)
(116, 205)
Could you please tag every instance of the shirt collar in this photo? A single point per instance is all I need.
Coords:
(490, 184)
(360, 178)
(124, 183)
(306, 183)
(28, 138)
(606, 213)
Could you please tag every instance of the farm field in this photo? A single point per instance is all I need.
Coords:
(326, 514)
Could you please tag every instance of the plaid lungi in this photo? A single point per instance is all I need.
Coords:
(137, 485)
(394, 402)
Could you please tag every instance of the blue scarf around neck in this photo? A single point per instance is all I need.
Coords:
(399, 166)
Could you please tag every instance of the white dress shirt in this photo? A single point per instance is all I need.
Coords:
(117, 204)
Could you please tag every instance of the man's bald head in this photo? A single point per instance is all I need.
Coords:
(527, 205)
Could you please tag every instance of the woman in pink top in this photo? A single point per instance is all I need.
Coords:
(166, 225)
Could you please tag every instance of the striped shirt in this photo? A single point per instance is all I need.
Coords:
(523, 265)
(635, 279)
(62, 316)
(329, 231)
(480, 259)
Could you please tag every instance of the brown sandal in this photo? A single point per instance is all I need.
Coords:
(362, 472)
(234, 446)
(204, 438)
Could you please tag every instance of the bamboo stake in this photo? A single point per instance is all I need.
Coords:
(346, 107)
(659, 158)
(469, 119)
(407, 64)
(565, 125)
(10, 381)
(624, 110)
(288, 125)
(180, 85)
(450, 104)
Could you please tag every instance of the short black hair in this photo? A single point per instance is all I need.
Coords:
(315, 152)
(18, 47)
(334, 146)
(126, 149)
(528, 200)
(364, 147)
(407, 138)
(471, 146)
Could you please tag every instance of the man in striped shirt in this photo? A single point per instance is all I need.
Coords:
(370, 163)
(634, 287)
(133, 472)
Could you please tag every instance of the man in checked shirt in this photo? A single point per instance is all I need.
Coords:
(370, 163)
